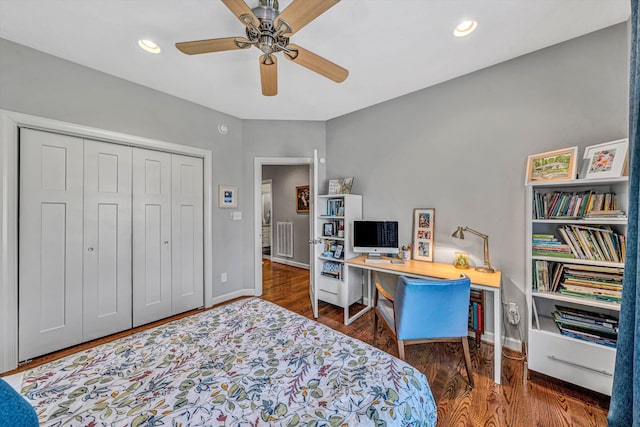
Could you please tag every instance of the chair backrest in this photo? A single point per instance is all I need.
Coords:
(431, 308)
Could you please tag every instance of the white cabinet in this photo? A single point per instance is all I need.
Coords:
(334, 230)
(583, 275)
(110, 236)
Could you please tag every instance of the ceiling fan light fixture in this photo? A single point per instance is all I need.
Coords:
(465, 28)
(149, 46)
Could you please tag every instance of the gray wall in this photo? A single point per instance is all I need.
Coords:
(284, 180)
(35, 83)
(461, 146)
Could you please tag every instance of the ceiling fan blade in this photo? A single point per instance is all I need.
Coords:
(212, 45)
(269, 75)
(300, 12)
(316, 63)
(242, 12)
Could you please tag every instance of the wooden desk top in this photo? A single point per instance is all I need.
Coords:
(431, 269)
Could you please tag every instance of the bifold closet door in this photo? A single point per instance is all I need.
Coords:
(187, 276)
(51, 247)
(151, 236)
(107, 239)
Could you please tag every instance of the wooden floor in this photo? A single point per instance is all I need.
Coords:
(518, 401)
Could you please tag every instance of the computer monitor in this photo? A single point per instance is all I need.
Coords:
(375, 237)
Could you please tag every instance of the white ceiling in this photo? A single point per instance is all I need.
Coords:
(390, 47)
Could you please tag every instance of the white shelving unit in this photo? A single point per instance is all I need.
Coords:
(331, 285)
(577, 361)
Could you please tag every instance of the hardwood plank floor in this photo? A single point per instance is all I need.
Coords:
(518, 401)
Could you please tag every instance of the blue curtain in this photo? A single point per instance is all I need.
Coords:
(624, 410)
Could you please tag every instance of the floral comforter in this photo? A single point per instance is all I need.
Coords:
(248, 363)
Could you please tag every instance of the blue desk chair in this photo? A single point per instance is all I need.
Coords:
(15, 411)
(425, 310)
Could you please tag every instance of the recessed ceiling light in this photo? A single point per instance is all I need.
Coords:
(465, 28)
(149, 46)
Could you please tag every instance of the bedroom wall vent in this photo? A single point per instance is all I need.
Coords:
(284, 239)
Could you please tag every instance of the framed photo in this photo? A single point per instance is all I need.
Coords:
(347, 185)
(558, 165)
(423, 231)
(335, 186)
(327, 229)
(227, 196)
(607, 160)
(302, 199)
(338, 251)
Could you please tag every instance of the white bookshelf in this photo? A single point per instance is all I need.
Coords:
(587, 364)
(329, 288)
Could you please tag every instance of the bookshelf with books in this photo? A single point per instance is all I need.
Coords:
(575, 262)
(476, 314)
(334, 230)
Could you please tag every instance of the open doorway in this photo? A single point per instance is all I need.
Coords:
(291, 249)
(267, 225)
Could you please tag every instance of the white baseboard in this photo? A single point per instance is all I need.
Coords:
(290, 262)
(510, 343)
(233, 295)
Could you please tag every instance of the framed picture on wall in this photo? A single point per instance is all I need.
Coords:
(227, 196)
(302, 199)
(423, 230)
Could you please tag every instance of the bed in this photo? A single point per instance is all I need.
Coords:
(247, 363)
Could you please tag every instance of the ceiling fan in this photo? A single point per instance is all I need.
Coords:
(269, 30)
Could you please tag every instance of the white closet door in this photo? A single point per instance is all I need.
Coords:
(50, 254)
(187, 281)
(151, 236)
(107, 239)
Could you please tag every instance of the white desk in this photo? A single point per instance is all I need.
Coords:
(488, 282)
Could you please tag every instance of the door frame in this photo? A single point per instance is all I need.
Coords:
(258, 162)
(270, 182)
(10, 122)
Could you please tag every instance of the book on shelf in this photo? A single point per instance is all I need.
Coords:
(332, 269)
(586, 325)
(549, 245)
(595, 243)
(335, 207)
(585, 281)
(574, 205)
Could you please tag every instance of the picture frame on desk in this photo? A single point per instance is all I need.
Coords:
(557, 165)
(423, 233)
(606, 160)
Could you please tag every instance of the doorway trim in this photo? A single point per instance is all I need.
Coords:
(10, 122)
(258, 162)
(270, 182)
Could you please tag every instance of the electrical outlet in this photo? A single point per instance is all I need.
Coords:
(223, 277)
(513, 315)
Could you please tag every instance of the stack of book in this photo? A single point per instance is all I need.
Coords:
(596, 243)
(332, 269)
(586, 325)
(593, 282)
(549, 245)
(475, 316)
(577, 204)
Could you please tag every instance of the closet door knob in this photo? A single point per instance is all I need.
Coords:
(166, 242)
(90, 249)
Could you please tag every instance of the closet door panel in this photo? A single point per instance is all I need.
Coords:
(107, 239)
(187, 231)
(50, 235)
(151, 236)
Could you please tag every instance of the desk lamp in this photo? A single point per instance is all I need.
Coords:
(459, 234)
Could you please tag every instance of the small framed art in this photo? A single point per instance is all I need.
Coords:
(302, 199)
(558, 165)
(227, 196)
(606, 160)
(423, 230)
(327, 229)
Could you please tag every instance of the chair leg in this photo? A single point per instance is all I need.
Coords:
(401, 349)
(467, 359)
(375, 327)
